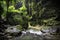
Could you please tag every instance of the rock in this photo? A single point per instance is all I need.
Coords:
(45, 31)
(13, 31)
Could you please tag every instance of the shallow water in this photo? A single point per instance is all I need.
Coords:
(36, 35)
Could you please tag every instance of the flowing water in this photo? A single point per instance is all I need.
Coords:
(32, 34)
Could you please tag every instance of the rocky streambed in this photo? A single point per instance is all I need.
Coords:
(32, 34)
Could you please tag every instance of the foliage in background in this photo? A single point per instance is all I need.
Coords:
(21, 12)
(41, 12)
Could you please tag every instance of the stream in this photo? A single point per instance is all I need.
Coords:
(32, 34)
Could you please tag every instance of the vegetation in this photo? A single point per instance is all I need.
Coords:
(29, 12)
(37, 12)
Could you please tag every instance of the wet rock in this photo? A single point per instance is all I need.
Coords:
(13, 31)
(44, 31)
(33, 35)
